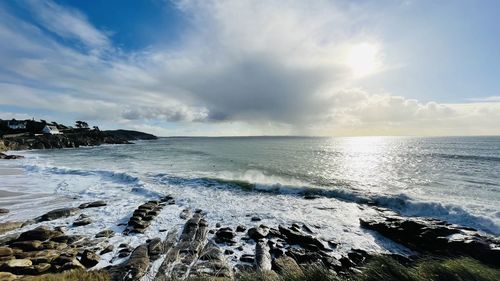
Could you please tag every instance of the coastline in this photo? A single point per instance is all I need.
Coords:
(147, 221)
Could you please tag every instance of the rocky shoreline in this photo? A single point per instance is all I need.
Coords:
(71, 140)
(204, 249)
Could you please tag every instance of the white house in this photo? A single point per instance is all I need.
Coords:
(16, 125)
(51, 130)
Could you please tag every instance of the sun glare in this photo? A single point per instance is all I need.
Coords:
(363, 59)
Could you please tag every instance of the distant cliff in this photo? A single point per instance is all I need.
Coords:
(130, 135)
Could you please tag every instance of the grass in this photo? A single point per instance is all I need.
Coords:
(388, 269)
(72, 275)
(381, 268)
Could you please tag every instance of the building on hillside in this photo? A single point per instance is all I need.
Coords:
(17, 124)
(51, 130)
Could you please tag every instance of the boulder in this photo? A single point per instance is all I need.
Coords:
(106, 250)
(6, 251)
(3, 211)
(241, 228)
(257, 233)
(58, 213)
(436, 237)
(134, 268)
(286, 265)
(82, 222)
(41, 233)
(262, 256)
(89, 259)
(33, 245)
(247, 258)
(105, 233)
(92, 204)
(224, 234)
(295, 236)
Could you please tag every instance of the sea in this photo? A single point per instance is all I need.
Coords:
(233, 179)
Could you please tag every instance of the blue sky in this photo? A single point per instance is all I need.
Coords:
(391, 67)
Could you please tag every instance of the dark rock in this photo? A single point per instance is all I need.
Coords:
(9, 157)
(241, 228)
(303, 256)
(228, 252)
(311, 196)
(218, 225)
(106, 250)
(28, 245)
(105, 233)
(247, 258)
(68, 239)
(436, 237)
(3, 211)
(305, 240)
(224, 234)
(257, 233)
(89, 259)
(58, 213)
(155, 248)
(134, 268)
(41, 233)
(92, 204)
(255, 219)
(82, 222)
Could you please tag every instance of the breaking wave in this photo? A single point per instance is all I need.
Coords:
(401, 203)
(117, 177)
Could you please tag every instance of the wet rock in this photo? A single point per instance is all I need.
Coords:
(241, 228)
(155, 248)
(257, 233)
(27, 245)
(134, 268)
(436, 237)
(106, 250)
(81, 221)
(255, 219)
(3, 211)
(89, 259)
(10, 157)
(224, 234)
(41, 233)
(8, 226)
(58, 213)
(92, 204)
(228, 252)
(303, 256)
(247, 258)
(108, 233)
(68, 239)
(294, 236)
(311, 196)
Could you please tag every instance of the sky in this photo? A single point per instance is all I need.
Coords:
(227, 68)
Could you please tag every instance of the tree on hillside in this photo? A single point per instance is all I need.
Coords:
(81, 124)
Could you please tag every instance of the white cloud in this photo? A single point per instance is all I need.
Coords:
(246, 67)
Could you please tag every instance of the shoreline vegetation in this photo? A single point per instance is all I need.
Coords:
(42, 249)
(31, 134)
